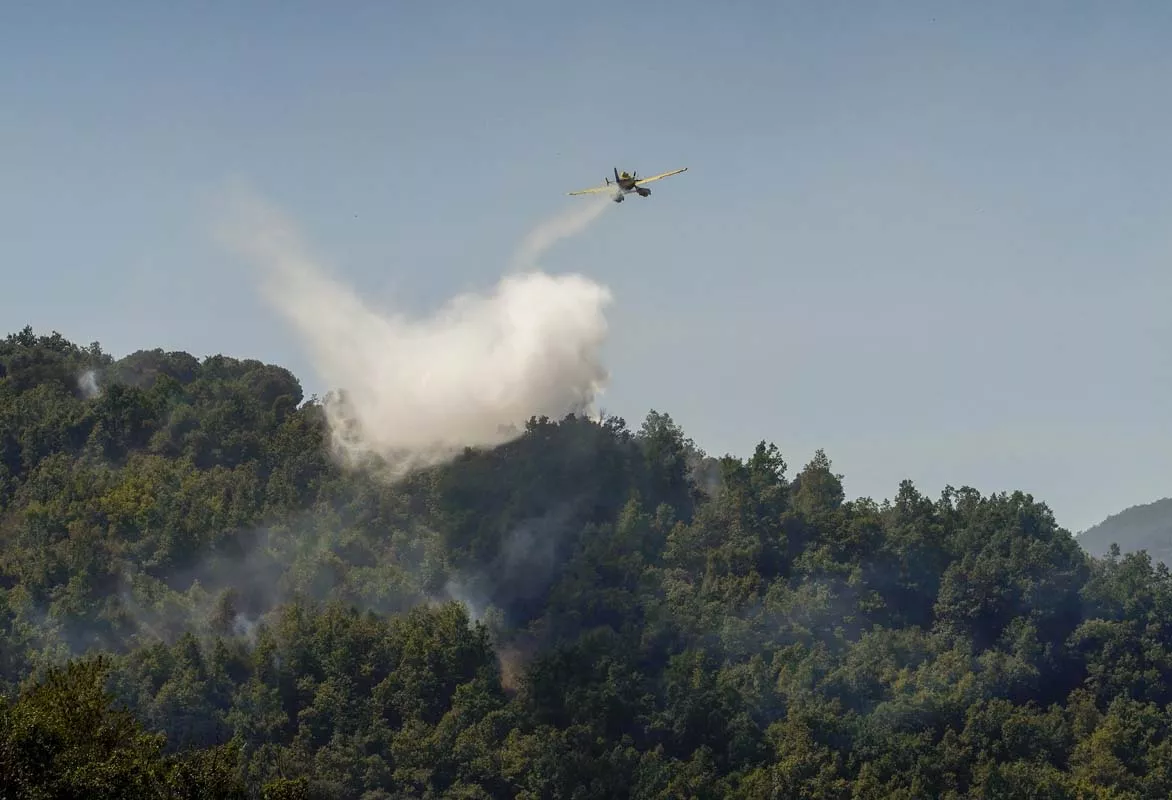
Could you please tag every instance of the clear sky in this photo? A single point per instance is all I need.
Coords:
(931, 238)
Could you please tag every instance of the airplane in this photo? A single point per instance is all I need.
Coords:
(625, 184)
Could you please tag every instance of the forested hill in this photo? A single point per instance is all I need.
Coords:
(1143, 527)
(589, 611)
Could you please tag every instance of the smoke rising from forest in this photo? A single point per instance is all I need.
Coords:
(87, 383)
(416, 390)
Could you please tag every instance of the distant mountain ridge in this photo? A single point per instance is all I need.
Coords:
(1142, 527)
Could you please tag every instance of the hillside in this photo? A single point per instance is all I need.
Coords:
(1143, 527)
(587, 611)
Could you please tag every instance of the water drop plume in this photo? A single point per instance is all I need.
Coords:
(415, 390)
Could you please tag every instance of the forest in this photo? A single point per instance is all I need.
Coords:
(196, 600)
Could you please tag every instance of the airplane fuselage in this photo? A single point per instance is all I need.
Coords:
(625, 184)
(642, 191)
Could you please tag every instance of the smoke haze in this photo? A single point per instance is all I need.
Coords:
(415, 391)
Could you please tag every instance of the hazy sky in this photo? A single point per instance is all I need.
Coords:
(931, 238)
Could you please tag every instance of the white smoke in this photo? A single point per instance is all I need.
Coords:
(415, 391)
(88, 384)
(546, 235)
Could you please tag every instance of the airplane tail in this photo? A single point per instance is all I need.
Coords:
(616, 174)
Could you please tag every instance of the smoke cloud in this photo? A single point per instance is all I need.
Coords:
(87, 383)
(414, 391)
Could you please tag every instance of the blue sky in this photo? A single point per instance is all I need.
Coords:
(931, 238)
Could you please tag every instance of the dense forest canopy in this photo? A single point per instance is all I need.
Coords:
(196, 601)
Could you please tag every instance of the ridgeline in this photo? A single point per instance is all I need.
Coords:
(1143, 527)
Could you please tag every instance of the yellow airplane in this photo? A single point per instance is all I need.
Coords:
(624, 184)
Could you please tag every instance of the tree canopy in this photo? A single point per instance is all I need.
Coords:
(196, 600)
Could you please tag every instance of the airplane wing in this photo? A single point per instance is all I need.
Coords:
(594, 190)
(642, 181)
